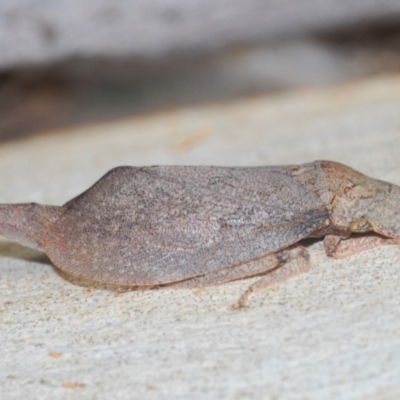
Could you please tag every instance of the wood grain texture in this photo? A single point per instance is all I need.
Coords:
(332, 333)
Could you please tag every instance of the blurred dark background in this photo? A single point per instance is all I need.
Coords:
(68, 62)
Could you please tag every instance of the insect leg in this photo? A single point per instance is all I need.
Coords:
(337, 248)
(229, 274)
(291, 263)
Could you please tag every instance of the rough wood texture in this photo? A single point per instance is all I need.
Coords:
(328, 334)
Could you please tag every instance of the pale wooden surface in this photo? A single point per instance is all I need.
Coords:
(332, 333)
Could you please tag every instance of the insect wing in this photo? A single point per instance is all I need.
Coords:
(155, 225)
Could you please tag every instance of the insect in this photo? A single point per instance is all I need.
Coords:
(195, 226)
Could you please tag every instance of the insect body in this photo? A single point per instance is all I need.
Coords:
(199, 226)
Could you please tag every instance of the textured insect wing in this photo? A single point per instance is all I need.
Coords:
(154, 225)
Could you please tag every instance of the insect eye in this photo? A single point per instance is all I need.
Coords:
(360, 225)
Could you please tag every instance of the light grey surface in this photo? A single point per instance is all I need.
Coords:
(42, 31)
(329, 334)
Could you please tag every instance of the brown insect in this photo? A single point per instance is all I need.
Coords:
(198, 226)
